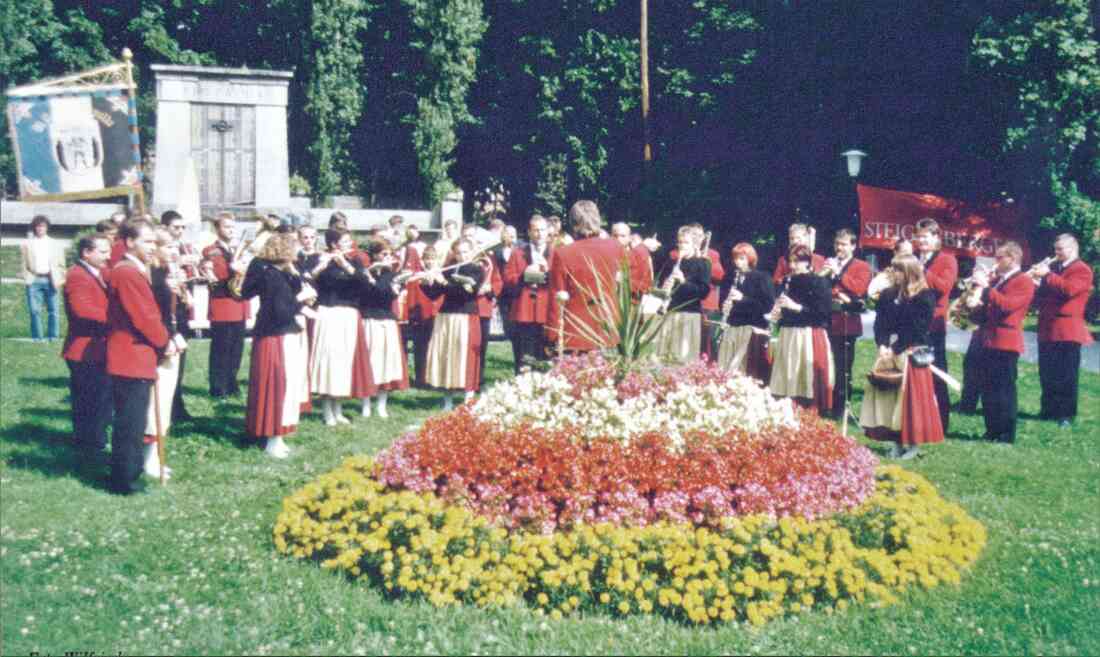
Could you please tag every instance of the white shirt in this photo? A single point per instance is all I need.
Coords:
(93, 271)
(41, 255)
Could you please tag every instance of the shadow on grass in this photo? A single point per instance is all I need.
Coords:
(51, 453)
(48, 381)
(63, 413)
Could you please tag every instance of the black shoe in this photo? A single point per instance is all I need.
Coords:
(124, 489)
(966, 410)
(182, 416)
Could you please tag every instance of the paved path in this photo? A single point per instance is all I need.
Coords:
(958, 340)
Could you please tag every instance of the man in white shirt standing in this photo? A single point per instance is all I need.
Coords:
(42, 262)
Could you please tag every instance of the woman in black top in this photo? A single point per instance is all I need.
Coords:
(454, 351)
(166, 280)
(384, 343)
(746, 337)
(681, 334)
(907, 415)
(339, 364)
(803, 367)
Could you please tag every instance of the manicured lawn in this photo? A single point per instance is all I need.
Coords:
(190, 568)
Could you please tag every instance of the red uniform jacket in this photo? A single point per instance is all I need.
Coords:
(717, 275)
(421, 307)
(1006, 303)
(530, 303)
(485, 301)
(641, 270)
(223, 307)
(408, 261)
(118, 250)
(1062, 300)
(584, 269)
(137, 330)
(782, 268)
(941, 272)
(86, 308)
(853, 281)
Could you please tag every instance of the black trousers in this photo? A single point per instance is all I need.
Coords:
(421, 337)
(998, 391)
(178, 410)
(844, 355)
(131, 397)
(973, 363)
(90, 390)
(226, 351)
(943, 399)
(1059, 371)
(485, 323)
(530, 339)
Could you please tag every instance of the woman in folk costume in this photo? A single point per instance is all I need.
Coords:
(681, 334)
(339, 365)
(384, 344)
(167, 280)
(454, 351)
(277, 383)
(422, 311)
(906, 414)
(746, 339)
(803, 367)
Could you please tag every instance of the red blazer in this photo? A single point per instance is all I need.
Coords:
(530, 303)
(137, 330)
(583, 269)
(86, 309)
(485, 301)
(1062, 300)
(782, 268)
(853, 281)
(409, 262)
(223, 307)
(1005, 306)
(118, 250)
(941, 272)
(641, 270)
(717, 275)
(420, 306)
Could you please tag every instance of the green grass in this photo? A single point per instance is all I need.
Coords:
(190, 568)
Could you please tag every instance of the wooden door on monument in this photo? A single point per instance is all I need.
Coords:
(223, 145)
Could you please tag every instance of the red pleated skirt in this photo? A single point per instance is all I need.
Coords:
(758, 362)
(267, 389)
(362, 382)
(920, 416)
(823, 389)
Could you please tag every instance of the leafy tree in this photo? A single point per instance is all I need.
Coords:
(447, 36)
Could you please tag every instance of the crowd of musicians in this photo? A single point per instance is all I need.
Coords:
(336, 320)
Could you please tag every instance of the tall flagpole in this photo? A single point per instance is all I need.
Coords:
(139, 192)
(647, 150)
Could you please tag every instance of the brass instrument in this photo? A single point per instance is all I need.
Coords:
(670, 284)
(1045, 262)
(236, 278)
(962, 311)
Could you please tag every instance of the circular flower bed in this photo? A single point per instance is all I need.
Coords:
(685, 491)
(754, 568)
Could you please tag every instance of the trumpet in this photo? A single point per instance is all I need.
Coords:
(1044, 263)
(236, 279)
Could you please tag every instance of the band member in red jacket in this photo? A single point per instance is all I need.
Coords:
(527, 274)
(135, 342)
(85, 350)
(1064, 289)
(1005, 300)
(585, 270)
(941, 271)
(798, 235)
(227, 314)
(850, 277)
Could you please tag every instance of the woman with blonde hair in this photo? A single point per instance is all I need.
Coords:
(454, 351)
(745, 341)
(277, 382)
(906, 414)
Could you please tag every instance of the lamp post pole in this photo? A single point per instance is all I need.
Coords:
(854, 158)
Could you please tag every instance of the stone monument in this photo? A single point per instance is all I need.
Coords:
(231, 124)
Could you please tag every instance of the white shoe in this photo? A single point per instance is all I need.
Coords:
(152, 463)
(382, 398)
(468, 396)
(366, 407)
(910, 453)
(338, 413)
(326, 409)
(276, 448)
(448, 403)
(895, 452)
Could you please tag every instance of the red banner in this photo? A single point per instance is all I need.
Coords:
(967, 229)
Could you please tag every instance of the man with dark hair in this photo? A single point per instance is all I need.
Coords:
(798, 234)
(85, 350)
(227, 314)
(135, 341)
(527, 289)
(1006, 298)
(850, 279)
(43, 275)
(941, 271)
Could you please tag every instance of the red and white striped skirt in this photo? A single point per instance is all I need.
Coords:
(454, 352)
(388, 365)
(744, 349)
(803, 366)
(339, 365)
(276, 387)
(907, 414)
